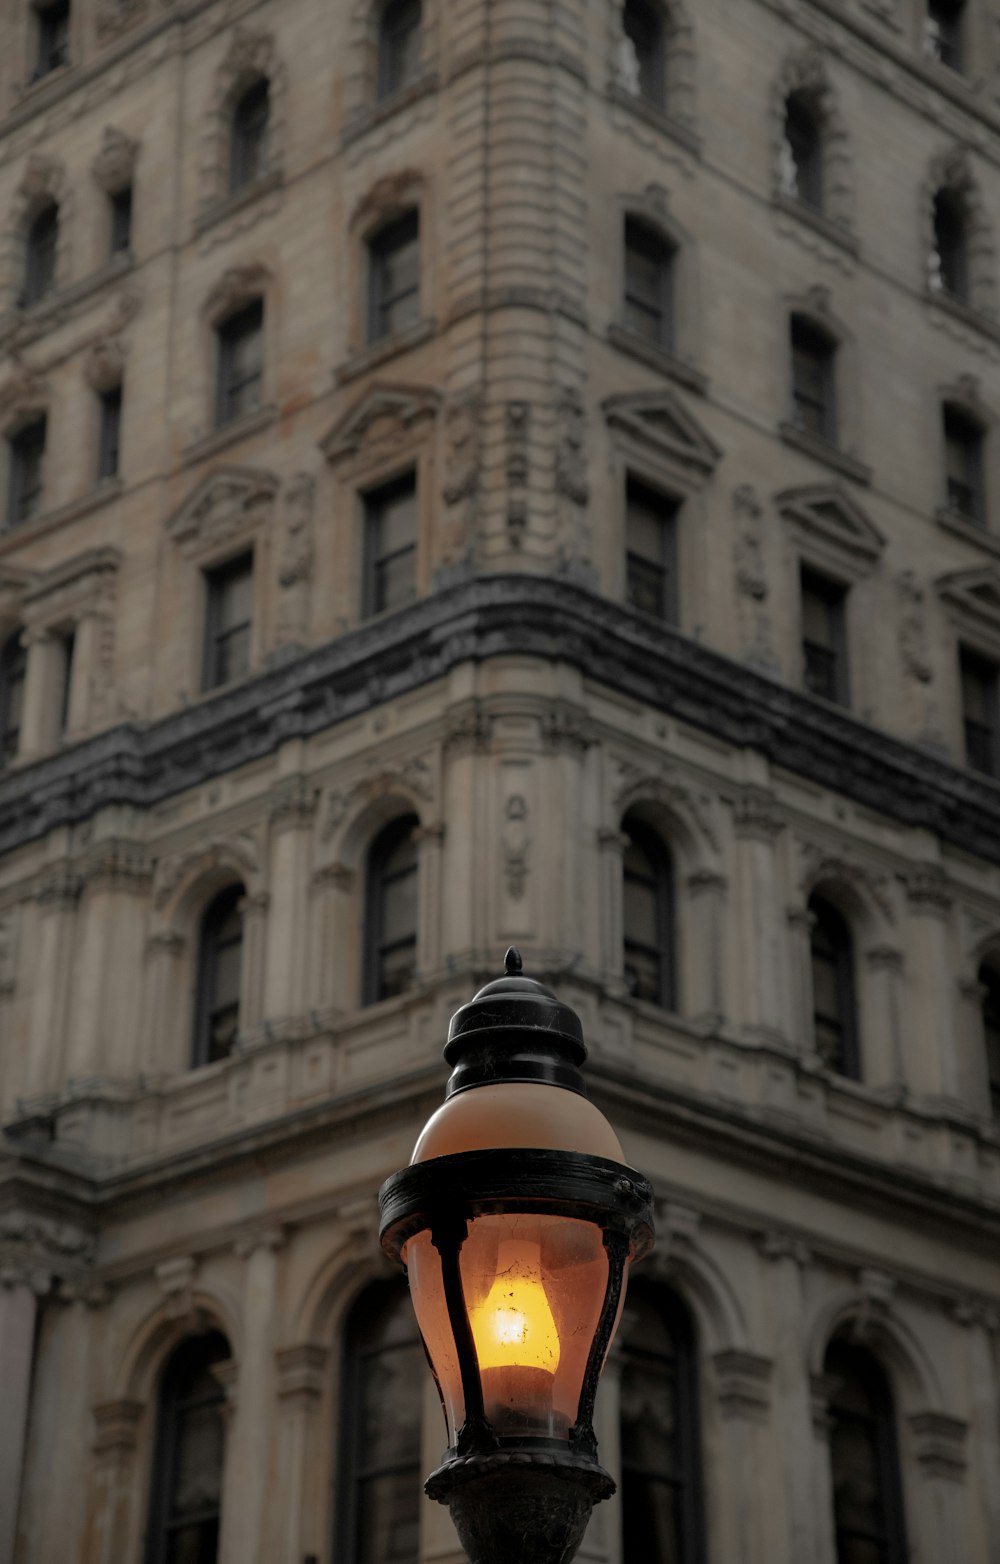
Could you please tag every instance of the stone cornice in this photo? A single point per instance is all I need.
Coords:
(492, 617)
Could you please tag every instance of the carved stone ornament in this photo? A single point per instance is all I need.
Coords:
(752, 590)
(390, 196)
(104, 364)
(518, 423)
(175, 1279)
(571, 452)
(238, 853)
(8, 952)
(952, 170)
(974, 596)
(463, 439)
(34, 1249)
(659, 422)
(638, 785)
(516, 843)
(295, 566)
(913, 628)
(252, 56)
(806, 74)
(379, 421)
(237, 286)
(820, 865)
(117, 16)
(114, 165)
(413, 777)
(23, 394)
(226, 503)
(828, 514)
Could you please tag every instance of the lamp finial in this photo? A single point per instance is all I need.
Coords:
(512, 962)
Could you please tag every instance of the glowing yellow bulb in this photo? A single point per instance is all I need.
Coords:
(513, 1326)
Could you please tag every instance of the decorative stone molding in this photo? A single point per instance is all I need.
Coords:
(515, 843)
(362, 62)
(271, 1237)
(175, 1279)
(876, 1291)
(662, 786)
(929, 890)
(114, 166)
(44, 181)
(658, 422)
(517, 426)
(292, 802)
(238, 285)
(462, 432)
(566, 727)
(237, 853)
(104, 364)
(807, 74)
(227, 506)
(412, 777)
(116, 1427)
(378, 422)
(389, 198)
(939, 1444)
(743, 1384)
(296, 560)
(35, 1249)
(336, 874)
(301, 1372)
(23, 395)
(58, 888)
(973, 597)
(819, 866)
(777, 1244)
(913, 646)
(116, 865)
(952, 171)
(750, 578)
(757, 813)
(252, 55)
(824, 514)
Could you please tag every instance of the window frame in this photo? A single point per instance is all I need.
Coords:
(389, 79)
(870, 1373)
(952, 279)
(374, 502)
(109, 432)
(41, 256)
(13, 661)
(960, 428)
(387, 241)
(651, 61)
(637, 491)
(955, 16)
(833, 593)
(217, 578)
(657, 853)
(989, 981)
(237, 327)
(223, 905)
(808, 335)
(120, 212)
(644, 239)
(249, 135)
(30, 438)
(52, 37)
(809, 191)
(828, 919)
(389, 838)
(977, 663)
(214, 1349)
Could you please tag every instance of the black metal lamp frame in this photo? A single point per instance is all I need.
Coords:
(526, 1497)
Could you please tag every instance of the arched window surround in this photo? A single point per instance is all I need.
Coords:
(251, 56)
(676, 353)
(191, 1406)
(860, 1403)
(250, 127)
(806, 77)
(394, 199)
(952, 175)
(840, 446)
(676, 111)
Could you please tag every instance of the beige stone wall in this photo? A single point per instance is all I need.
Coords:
(140, 1199)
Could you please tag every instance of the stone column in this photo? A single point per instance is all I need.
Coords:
(293, 809)
(248, 1458)
(703, 988)
(295, 1524)
(939, 1442)
(748, 1530)
(106, 1012)
(112, 1488)
(19, 1292)
(85, 650)
(612, 845)
(58, 896)
(972, 1067)
(162, 1024)
(757, 824)
(882, 1062)
(984, 1422)
(930, 1066)
(39, 719)
(800, 922)
(336, 945)
(430, 844)
(255, 928)
(792, 1409)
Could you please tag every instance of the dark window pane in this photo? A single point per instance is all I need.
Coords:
(834, 1015)
(241, 362)
(399, 46)
(40, 255)
(802, 153)
(248, 157)
(394, 278)
(27, 458)
(864, 1464)
(648, 269)
(228, 621)
(391, 912)
(813, 405)
(948, 262)
(109, 443)
(980, 703)
(13, 670)
(647, 907)
(943, 32)
(391, 546)
(824, 656)
(190, 1452)
(68, 649)
(963, 448)
(989, 977)
(121, 221)
(219, 974)
(650, 551)
(53, 37)
(643, 52)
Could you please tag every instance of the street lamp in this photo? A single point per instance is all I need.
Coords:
(517, 1220)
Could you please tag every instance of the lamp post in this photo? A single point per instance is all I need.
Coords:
(517, 1220)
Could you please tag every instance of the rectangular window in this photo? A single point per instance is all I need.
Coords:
(391, 545)
(943, 32)
(27, 460)
(963, 460)
(980, 712)
(67, 647)
(241, 363)
(13, 672)
(228, 620)
(648, 269)
(121, 221)
(813, 400)
(650, 551)
(52, 37)
(824, 645)
(109, 436)
(394, 278)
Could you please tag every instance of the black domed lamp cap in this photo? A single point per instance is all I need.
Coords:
(515, 1029)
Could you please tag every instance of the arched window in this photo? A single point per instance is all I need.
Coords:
(398, 46)
(964, 441)
(220, 962)
(13, 670)
(835, 1031)
(802, 152)
(989, 978)
(40, 254)
(648, 916)
(394, 277)
(948, 262)
(380, 1419)
(643, 52)
(248, 148)
(649, 272)
(660, 1439)
(185, 1507)
(864, 1463)
(391, 912)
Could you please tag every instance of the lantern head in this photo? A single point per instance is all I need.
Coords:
(517, 1220)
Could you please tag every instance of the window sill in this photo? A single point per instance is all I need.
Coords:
(375, 114)
(12, 536)
(379, 352)
(970, 531)
(36, 85)
(229, 434)
(822, 451)
(824, 226)
(964, 313)
(657, 358)
(230, 205)
(657, 119)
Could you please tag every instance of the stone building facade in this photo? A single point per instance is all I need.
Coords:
(505, 471)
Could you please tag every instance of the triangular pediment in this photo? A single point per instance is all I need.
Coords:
(974, 593)
(382, 416)
(660, 421)
(228, 500)
(832, 516)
